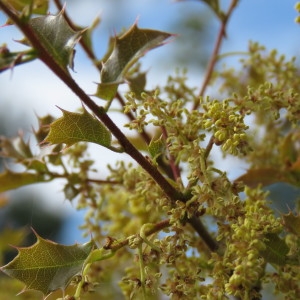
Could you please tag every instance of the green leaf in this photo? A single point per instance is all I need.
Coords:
(137, 84)
(37, 6)
(72, 128)
(292, 223)
(126, 50)
(15, 148)
(19, 150)
(156, 148)
(47, 266)
(10, 236)
(276, 250)
(10, 180)
(8, 59)
(57, 37)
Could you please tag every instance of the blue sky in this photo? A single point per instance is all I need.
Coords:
(32, 89)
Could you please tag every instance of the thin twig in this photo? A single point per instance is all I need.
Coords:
(100, 113)
(215, 53)
(174, 167)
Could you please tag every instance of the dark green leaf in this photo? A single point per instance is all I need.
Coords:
(57, 37)
(72, 128)
(127, 49)
(47, 266)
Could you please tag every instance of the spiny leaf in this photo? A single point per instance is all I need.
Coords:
(10, 180)
(15, 148)
(47, 266)
(19, 150)
(10, 236)
(292, 223)
(57, 37)
(127, 49)
(72, 128)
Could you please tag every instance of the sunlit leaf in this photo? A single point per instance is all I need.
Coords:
(10, 180)
(127, 49)
(156, 148)
(47, 266)
(57, 37)
(72, 128)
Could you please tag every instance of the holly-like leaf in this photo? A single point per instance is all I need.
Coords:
(57, 37)
(10, 236)
(10, 180)
(15, 148)
(292, 223)
(126, 50)
(19, 150)
(72, 128)
(47, 266)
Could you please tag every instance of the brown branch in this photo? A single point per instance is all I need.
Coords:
(100, 113)
(203, 233)
(215, 53)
